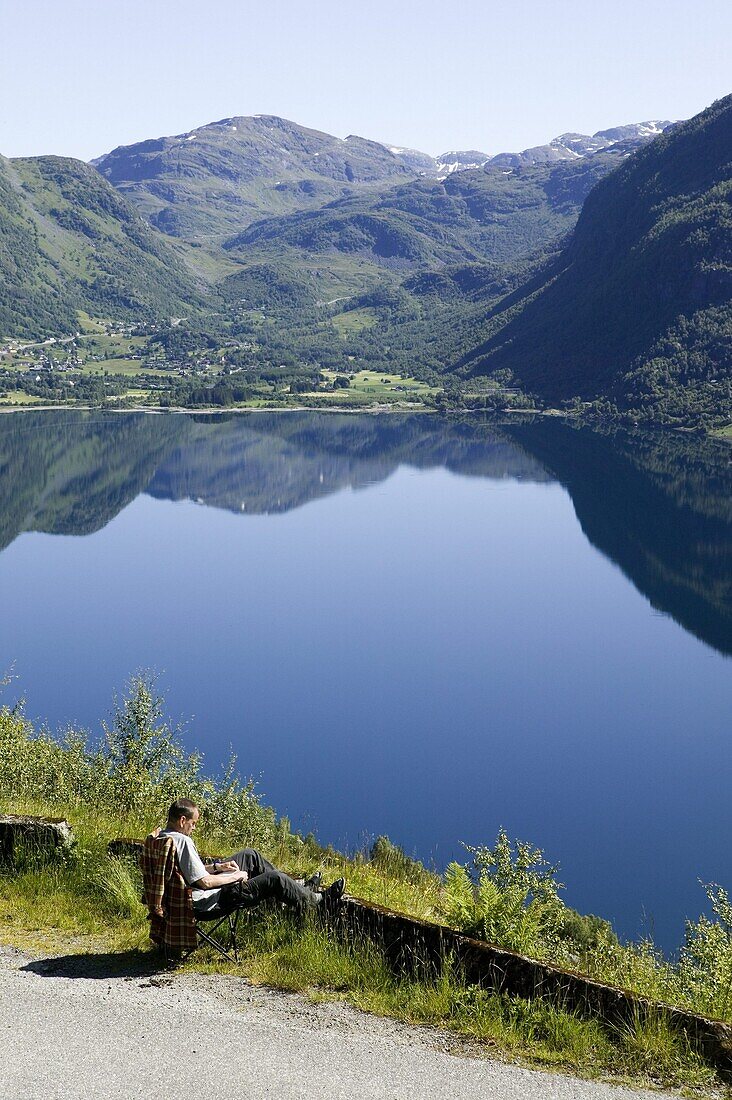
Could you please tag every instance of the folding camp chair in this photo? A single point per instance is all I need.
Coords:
(174, 927)
(232, 922)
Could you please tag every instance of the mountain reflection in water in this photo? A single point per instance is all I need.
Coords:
(659, 505)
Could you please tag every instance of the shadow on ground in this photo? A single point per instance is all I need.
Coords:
(117, 964)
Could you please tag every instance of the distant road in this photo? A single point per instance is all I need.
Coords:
(51, 340)
(70, 1031)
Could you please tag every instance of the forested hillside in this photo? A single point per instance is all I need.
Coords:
(637, 308)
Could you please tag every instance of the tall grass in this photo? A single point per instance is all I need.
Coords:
(279, 952)
(132, 775)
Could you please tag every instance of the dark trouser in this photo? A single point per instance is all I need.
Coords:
(264, 881)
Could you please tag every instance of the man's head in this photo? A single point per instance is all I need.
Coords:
(183, 816)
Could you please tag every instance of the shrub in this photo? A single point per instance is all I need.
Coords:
(705, 964)
(133, 775)
(508, 895)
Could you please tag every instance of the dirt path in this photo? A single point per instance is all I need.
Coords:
(70, 1032)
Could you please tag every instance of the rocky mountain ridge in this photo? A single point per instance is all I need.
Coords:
(571, 146)
(226, 174)
(216, 180)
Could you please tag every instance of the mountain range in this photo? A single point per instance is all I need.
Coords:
(262, 186)
(215, 183)
(222, 176)
(471, 264)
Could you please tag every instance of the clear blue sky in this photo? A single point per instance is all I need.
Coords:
(81, 76)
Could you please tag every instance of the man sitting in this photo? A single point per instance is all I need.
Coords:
(242, 881)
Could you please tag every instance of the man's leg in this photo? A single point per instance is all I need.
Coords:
(265, 881)
(277, 885)
(252, 861)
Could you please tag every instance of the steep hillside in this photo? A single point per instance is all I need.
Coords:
(214, 181)
(69, 241)
(637, 306)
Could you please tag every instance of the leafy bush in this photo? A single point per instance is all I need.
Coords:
(394, 862)
(706, 958)
(508, 896)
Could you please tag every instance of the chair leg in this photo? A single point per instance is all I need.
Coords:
(233, 930)
(215, 944)
(173, 958)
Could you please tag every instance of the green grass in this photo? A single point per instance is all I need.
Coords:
(89, 325)
(20, 397)
(355, 320)
(375, 383)
(371, 387)
(120, 366)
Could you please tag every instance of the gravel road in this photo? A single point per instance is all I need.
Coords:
(71, 1032)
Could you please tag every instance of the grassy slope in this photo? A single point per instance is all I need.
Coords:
(70, 242)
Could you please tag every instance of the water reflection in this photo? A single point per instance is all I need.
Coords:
(657, 504)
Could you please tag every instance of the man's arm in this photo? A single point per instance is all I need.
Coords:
(212, 882)
(220, 866)
(199, 874)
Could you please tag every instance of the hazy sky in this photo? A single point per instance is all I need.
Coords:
(79, 77)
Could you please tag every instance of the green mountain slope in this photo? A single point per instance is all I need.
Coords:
(212, 182)
(498, 213)
(69, 241)
(638, 305)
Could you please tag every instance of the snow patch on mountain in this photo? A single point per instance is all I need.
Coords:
(460, 161)
(571, 146)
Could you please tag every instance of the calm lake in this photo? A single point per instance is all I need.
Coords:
(402, 625)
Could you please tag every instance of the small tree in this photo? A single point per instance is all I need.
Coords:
(705, 964)
(146, 761)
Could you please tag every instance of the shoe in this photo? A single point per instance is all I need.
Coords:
(333, 895)
(314, 881)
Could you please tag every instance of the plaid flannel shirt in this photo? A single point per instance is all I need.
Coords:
(168, 898)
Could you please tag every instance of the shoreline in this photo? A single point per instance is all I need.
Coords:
(724, 435)
(179, 410)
